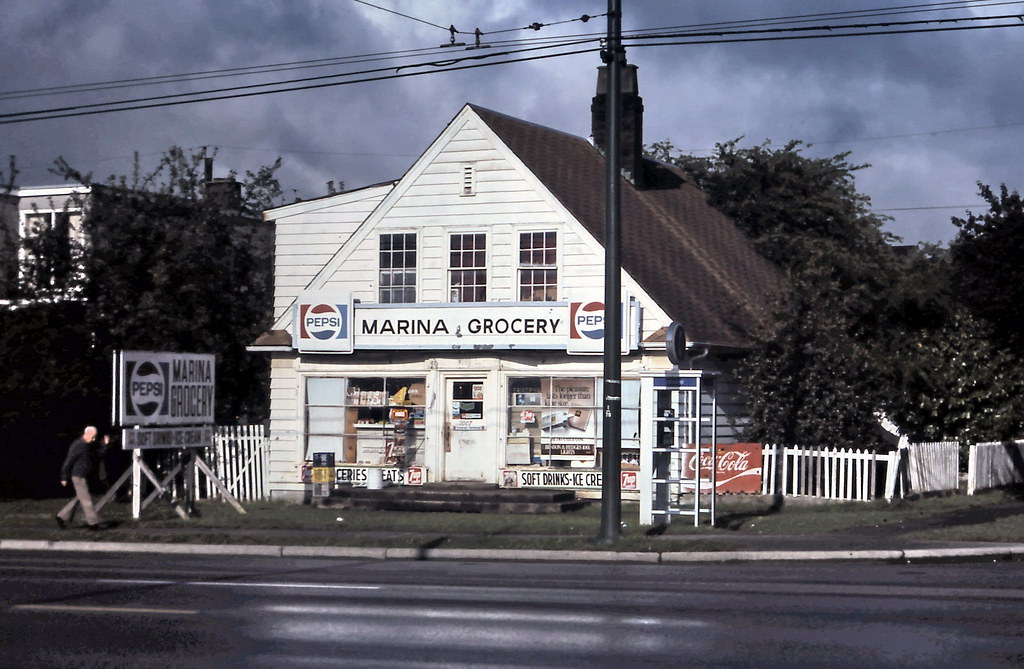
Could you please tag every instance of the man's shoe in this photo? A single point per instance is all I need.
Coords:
(60, 522)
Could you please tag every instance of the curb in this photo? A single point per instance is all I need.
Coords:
(995, 552)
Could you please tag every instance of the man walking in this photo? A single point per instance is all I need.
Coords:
(78, 466)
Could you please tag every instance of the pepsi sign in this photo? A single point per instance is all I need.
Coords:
(159, 388)
(323, 323)
(586, 320)
(148, 386)
(587, 326)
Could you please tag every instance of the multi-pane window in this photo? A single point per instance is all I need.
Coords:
(50, 253)
(467, 267)
(538, 266)
(398, 268)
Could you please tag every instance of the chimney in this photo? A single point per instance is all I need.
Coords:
(226, 193)
(631, 142)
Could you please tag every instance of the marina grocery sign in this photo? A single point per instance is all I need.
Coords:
(155, 388)
(164, 400)
(331, 323)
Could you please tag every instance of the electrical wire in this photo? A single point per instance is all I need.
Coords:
(551, 40)
(7, 119)
(659, 39)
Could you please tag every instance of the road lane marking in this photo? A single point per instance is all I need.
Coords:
(234, 584)
(103, 609)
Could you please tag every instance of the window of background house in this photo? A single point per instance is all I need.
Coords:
(398, 268)
(538, 269)
(467, 267)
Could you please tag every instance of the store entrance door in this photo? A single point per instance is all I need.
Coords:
(469, 448)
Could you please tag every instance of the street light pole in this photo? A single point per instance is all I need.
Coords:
(614, 58)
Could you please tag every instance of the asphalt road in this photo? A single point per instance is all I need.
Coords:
(129, 610)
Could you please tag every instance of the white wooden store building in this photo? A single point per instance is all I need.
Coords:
(447, 326)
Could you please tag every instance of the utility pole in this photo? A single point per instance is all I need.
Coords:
(614, 57)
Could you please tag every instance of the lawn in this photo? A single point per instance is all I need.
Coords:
(994, 516)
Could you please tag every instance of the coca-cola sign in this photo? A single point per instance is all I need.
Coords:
(739, 467)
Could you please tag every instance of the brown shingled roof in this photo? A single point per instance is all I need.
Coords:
(691, 258)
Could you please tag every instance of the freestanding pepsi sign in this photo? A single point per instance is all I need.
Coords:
(167, 399)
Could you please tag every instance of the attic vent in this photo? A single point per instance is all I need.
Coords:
(468, 180)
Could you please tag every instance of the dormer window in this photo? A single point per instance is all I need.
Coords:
(468, 180)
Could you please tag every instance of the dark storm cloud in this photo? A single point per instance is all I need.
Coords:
(909, 105)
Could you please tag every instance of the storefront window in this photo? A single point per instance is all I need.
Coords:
(372, 420)
(556, 421)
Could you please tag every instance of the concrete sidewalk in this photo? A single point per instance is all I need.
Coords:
(737, 548)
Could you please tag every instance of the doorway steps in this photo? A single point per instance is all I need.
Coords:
(460, 498)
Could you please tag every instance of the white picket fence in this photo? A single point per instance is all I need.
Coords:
(856, 475)
(995, 464)
(931, 467)
(835, 474)
(239, 459)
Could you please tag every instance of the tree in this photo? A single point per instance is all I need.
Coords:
(8, 231)
(817, 377)
(162, 265)
(931, 336)
(986, 265)
(952, 378)
(962, 376)
(169, 267)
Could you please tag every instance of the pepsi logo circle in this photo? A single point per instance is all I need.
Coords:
(146, 388)
(324, 321)
(588, 320)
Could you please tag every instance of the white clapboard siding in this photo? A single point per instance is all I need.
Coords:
(286, 426)
(507, 199)
(309, 234)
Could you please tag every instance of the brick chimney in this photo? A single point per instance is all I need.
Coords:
(631, 142)
(226, 193)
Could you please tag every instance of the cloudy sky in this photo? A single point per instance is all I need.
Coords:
(932, 113)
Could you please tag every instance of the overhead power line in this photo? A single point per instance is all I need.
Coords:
(490, 58)
(161, 101)
(251, 70)
(553, 41)
(404, 16)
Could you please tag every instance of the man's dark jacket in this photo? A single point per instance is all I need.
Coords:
(80, 460)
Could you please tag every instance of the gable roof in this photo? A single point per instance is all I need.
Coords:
(691, 258)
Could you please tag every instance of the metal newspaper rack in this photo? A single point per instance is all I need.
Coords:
(678, 460)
